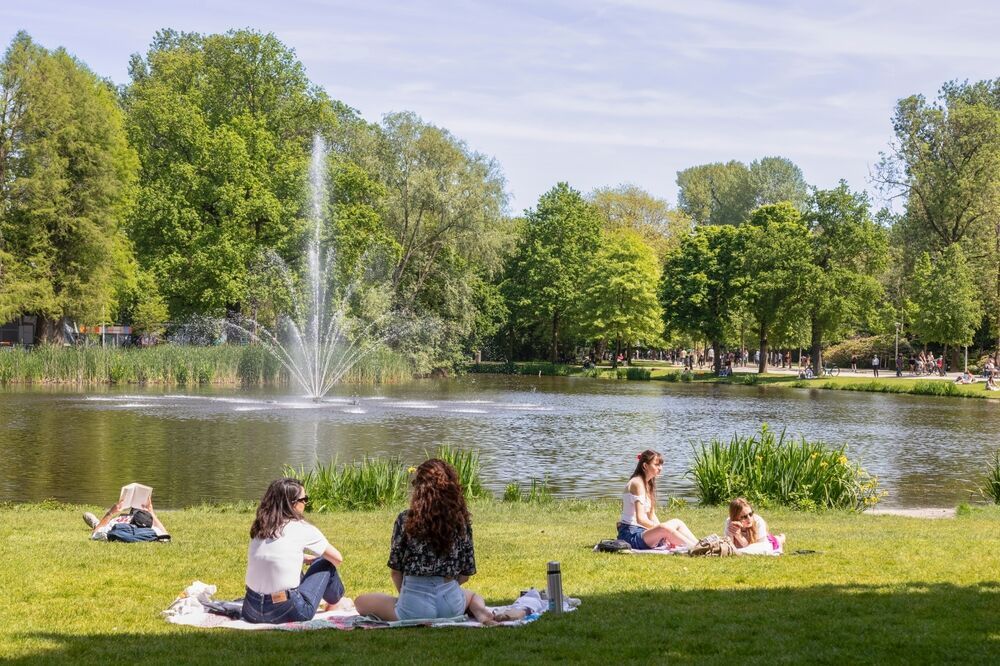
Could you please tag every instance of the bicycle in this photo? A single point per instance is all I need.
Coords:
(830, 370)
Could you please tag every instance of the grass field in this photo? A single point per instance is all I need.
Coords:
(882, 589)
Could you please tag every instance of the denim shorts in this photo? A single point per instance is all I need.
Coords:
(633, 535)
(428, 597)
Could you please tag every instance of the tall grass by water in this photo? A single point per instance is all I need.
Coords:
(770, 469)
(372, 483)
(991, 482)
(175, 365)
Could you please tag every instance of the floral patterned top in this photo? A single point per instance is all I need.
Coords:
(416, 558)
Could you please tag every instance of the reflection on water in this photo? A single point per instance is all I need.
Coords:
(221, 445)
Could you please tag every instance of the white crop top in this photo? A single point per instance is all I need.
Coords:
(628, 507)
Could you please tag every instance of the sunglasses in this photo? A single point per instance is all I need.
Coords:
(304, 499)
(746, 516)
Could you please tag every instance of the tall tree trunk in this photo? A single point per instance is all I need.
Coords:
(762, 366)
(816, 345)
(554, 351)
(618, 350)
(716, 349)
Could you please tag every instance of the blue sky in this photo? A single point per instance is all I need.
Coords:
(593, 93)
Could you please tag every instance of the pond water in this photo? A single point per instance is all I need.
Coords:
(226, 444)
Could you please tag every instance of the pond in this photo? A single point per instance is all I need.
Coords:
(215, 445)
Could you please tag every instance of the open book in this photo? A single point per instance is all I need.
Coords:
(134, 495)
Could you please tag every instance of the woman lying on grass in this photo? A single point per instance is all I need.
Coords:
(431, 554)
(639, 525)
(749, 531)
(277, 590)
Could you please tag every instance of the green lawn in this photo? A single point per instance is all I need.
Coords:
(884, 589)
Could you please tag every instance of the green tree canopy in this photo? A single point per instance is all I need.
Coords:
(628, 207)
(701, 283)
(619, 302)
(545, 274)
(946, 298)
(849, 251)
(780, 269)
(66, 179)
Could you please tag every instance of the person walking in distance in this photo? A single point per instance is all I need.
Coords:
(875, 364)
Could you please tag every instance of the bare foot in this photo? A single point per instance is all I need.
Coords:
(509, 615)
(781, 539)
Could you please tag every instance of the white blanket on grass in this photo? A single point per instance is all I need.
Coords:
(188, 609)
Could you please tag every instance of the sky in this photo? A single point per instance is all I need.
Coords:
(592, 93)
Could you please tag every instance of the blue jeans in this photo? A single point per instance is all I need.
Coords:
(428, 597)
(321, 581)
(632, 534)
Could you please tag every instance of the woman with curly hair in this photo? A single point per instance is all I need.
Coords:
(431, 554)
(277, 590)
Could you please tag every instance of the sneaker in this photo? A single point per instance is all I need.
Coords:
(90, 519)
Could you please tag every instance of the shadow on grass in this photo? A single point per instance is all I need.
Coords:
(911, 623)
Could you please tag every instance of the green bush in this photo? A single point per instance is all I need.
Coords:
(991, 482)
(672, 376)
(640, 374)
(884, 345)
(751, 379)
(539, 492)
(687, 376)
(774, 470)
(368, 484)
(466, 463)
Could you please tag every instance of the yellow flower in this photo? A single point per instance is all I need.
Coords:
(842, 460)
(411, 469)
(823, 464)
(814, 455)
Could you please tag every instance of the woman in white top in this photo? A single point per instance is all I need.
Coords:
(277, 590)
(639, 525)
(748, 531)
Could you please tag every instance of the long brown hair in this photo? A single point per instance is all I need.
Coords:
(276, 508)
(736, 507)
(648, 456)
(438, 514)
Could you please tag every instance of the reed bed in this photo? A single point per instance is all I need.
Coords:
(538, 492)
(175, 365)
(770, 469)
(991, 482)
(372, 483)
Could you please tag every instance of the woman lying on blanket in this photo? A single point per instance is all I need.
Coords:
(639, 525)
(431, 554)
(749, 531)
(277, 590)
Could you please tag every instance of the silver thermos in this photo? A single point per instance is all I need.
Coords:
(554, 589)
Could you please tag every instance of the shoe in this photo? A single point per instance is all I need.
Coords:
(90, 519)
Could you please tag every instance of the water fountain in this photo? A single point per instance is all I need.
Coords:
(318, 341)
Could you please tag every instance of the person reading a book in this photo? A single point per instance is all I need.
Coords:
(276, 589)
(131, 515)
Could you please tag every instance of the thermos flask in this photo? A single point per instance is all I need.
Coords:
(554, 588)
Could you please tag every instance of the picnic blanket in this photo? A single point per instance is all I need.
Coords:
(191, 608)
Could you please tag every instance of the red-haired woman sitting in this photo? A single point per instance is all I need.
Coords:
(431, 554)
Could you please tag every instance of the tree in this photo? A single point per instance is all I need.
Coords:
(66, 178)
(779, 268)
(222, 125)
(726, 193)
(701, 284)
(544, 275)
(946, 298)
(849, 252)
(718, 193)
(774, 179)
(619, 300)
(628, 207)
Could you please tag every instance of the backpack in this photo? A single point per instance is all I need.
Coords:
(128, 533)
(713, 546)
(612, 546)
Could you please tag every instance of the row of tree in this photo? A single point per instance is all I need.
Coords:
(169, 196)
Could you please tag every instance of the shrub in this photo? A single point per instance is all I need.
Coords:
(369, 484)
(466, 463)
(687, 376)
(774, 470)
(991, 482)
(640, 374)
(539, 492)
(672, 376)
(751, 378)
(884, 345)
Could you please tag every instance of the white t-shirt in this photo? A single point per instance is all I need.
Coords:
(274, 565)
(628, 507)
